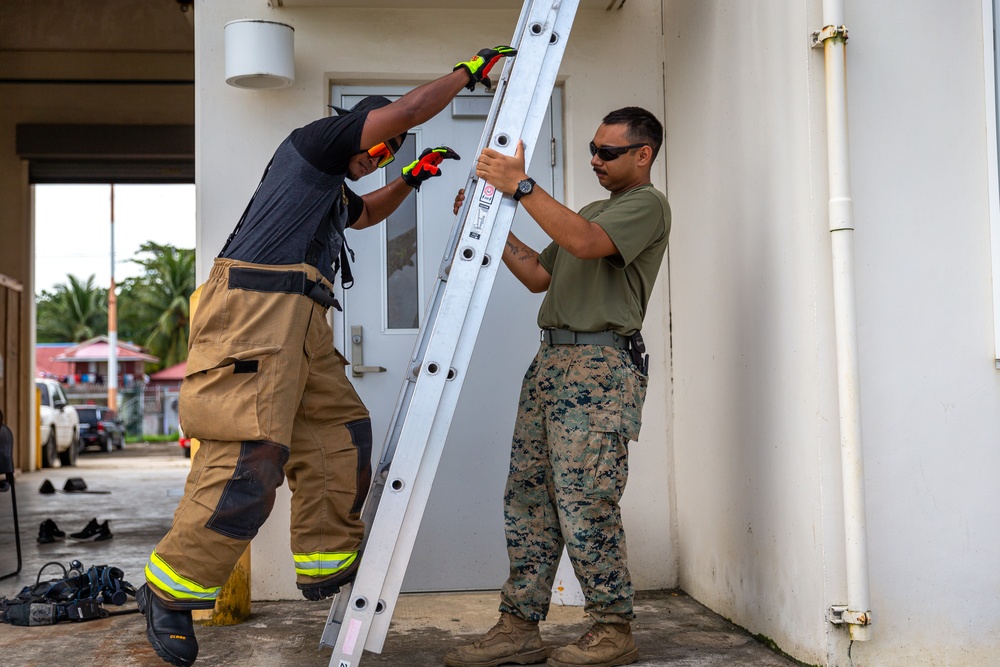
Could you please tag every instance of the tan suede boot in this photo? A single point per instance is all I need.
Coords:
(604, 645)
(510, 640)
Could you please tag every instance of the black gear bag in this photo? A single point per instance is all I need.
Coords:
(79, 596)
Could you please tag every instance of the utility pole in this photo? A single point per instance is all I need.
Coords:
(112, 320)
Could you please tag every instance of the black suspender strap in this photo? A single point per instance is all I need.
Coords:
(319, 241)
(247, 209)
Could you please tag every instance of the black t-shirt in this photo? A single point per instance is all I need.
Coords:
(304, 185)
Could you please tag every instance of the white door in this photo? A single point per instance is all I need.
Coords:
(460, 545)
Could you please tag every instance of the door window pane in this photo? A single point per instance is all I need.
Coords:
(402, 263)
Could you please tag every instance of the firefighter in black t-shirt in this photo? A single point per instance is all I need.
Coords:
(265, 390)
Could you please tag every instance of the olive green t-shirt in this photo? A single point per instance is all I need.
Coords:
(609, 294)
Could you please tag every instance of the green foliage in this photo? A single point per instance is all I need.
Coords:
(75, 311)
(154, 308)
(169, 437)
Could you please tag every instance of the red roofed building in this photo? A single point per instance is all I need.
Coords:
(87, 362)
(168, 377)
(45, 360)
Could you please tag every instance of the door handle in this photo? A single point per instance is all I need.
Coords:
(358, 368)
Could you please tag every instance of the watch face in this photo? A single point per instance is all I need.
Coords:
(523, 188)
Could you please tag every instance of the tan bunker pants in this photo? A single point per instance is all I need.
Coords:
(266, 395)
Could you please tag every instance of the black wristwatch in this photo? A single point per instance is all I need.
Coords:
(525, 187)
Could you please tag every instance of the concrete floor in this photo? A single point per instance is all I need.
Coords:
(145, 482)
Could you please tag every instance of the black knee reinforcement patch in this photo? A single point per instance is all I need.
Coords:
(248, 497)
(361, 436)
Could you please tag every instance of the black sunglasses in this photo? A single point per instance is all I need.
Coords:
(609, 153)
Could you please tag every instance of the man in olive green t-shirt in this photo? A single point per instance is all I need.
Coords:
(581, 400)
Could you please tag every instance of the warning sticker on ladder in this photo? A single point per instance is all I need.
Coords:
(488, 192)
(344, 663)
(480, 222)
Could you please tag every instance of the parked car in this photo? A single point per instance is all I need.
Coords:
(60, 427)
(100, 426)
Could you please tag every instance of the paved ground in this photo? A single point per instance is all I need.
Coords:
(143, 485)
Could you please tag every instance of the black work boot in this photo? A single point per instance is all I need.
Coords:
(170, 631)
(331, 586)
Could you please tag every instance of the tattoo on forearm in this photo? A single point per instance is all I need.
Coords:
(521, 252)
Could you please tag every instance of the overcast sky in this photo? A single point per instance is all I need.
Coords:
(73, 228)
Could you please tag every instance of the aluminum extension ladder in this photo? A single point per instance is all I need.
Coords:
(360, 614)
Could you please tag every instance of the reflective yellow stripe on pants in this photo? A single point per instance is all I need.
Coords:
(320, 564)
(168, 581)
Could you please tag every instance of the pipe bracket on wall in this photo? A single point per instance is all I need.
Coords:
(839, 614)
(829, 32)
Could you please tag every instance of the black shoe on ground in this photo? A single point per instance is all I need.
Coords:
(98, 532)
(331, 586)
(49, 532)
(170, 631)
(103, 533)
(91, 529)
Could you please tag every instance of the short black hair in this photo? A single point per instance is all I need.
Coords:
(366, 104)
(642, 126)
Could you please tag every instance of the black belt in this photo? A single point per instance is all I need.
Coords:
(567, 337)
(290, 282)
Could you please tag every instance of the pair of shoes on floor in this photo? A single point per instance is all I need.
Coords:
(170, 631)
(49, 532)
(514, 640)
(93, 531)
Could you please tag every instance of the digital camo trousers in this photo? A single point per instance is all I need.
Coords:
(579, 407)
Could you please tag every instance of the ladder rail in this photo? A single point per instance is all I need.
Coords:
(443, 350)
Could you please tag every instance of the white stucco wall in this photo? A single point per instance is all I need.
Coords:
(238, 130)
(757, 462)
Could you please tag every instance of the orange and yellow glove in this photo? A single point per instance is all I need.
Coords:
(426, 166)
(479, 66)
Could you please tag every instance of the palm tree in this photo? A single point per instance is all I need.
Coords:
(75, 311)
(155, 307)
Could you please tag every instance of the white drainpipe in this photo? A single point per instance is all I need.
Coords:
(857, 613)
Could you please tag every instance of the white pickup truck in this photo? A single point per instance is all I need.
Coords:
(60, 425)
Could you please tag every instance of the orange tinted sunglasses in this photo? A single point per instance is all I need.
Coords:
(383, 152)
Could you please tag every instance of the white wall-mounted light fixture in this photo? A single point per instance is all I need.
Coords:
(260, 55)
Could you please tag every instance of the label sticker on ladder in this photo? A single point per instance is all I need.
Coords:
(488, 192)
(353, 630)
(344, 663)
(477, 226)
